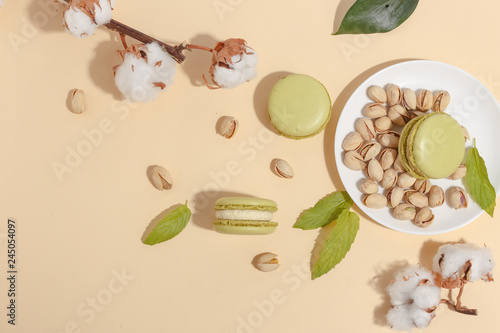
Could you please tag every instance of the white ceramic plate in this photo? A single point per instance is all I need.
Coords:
(472, 105)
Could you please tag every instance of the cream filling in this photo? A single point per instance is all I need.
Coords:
(243, 214)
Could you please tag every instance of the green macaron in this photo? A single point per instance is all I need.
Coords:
(432, 146)
(245, 216)
(299, 106)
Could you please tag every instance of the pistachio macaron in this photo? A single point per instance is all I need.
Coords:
(299, 106)
(245, 216)
(432, 146)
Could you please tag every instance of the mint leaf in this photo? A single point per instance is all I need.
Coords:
(338, 243)
(372, 16)
(325, 211)
(170, 226)
(478, 182)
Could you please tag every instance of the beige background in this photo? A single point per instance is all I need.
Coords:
(79, 231)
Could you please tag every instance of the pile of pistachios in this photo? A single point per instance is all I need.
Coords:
(373, 147)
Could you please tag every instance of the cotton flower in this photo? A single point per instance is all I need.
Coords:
(82, 17)
(233, 63)
(460, 263)
(146, 70)
(414, 297)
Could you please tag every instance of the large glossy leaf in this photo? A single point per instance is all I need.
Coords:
(372, 16)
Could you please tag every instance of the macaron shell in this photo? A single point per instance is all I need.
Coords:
(402, 148)
(250, 203)
(413, 167)
(237, 227)
(438, 146)
(299, 106)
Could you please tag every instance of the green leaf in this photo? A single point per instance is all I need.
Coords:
(477, 181)
(170, 226)
(372, 16)
(338, 243)
(325, 211)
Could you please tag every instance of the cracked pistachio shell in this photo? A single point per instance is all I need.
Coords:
(398, 114)
(377, 94)
(404, 211)
(458, 197)
(398, 166)
(387, 157)
(459, 173)
(423, 185)
(466, 133)
(266, 262)
(78, 102)
(382, 124)
(352, 141)
(161, 178)
(389, 139)
(369, 150)
(375, 201)
(227, 126)
(416, 198)
(368, 186)
(441, 101)
(409, 99)
(374, 170)
(424, 218)
(415, 114)
(354, 161)
(364, 126)
(395, 196)
(374, 110)
(393, 94)
(282, 168)
(424, 100)
(405, 180)
(389, 179)
(436, 196)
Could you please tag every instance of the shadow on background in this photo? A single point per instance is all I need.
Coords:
(198, 62)
(101, 65)
(46, 15)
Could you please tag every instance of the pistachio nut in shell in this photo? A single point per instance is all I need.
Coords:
(398, 115)
(227, 126)
(282, 168)
(389, 179)
(382, 124)
(466, 133)
(352, 141)
(409, 99)
(393, 92)
(416, 198)
(266, 262)
(394, 196)
(374, 170)
(424, 100)
(459, 173)
(457, 197)
(416, 114)
(368, 186)
(436, 196)
(398, 166)
(369, 150)
(405, 180)
(441, 101)
(404, 211)
(377, 94)
(389, 139)
(374, 110)
(424, 217)
(423, 185)
(375, 201)
(364, 126)
(387, 157)
(354, 161)
(78, 102)
(161, 178)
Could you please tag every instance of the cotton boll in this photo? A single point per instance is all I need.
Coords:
(426, 296)
(141, 80)
(227, 77)
(103, 12)
(420, 318)
(78, 23)
(400, 318)
(241, 69)
(401, 289)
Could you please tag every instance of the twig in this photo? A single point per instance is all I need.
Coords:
(458, 305)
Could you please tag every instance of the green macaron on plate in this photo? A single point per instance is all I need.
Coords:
(472, 105)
